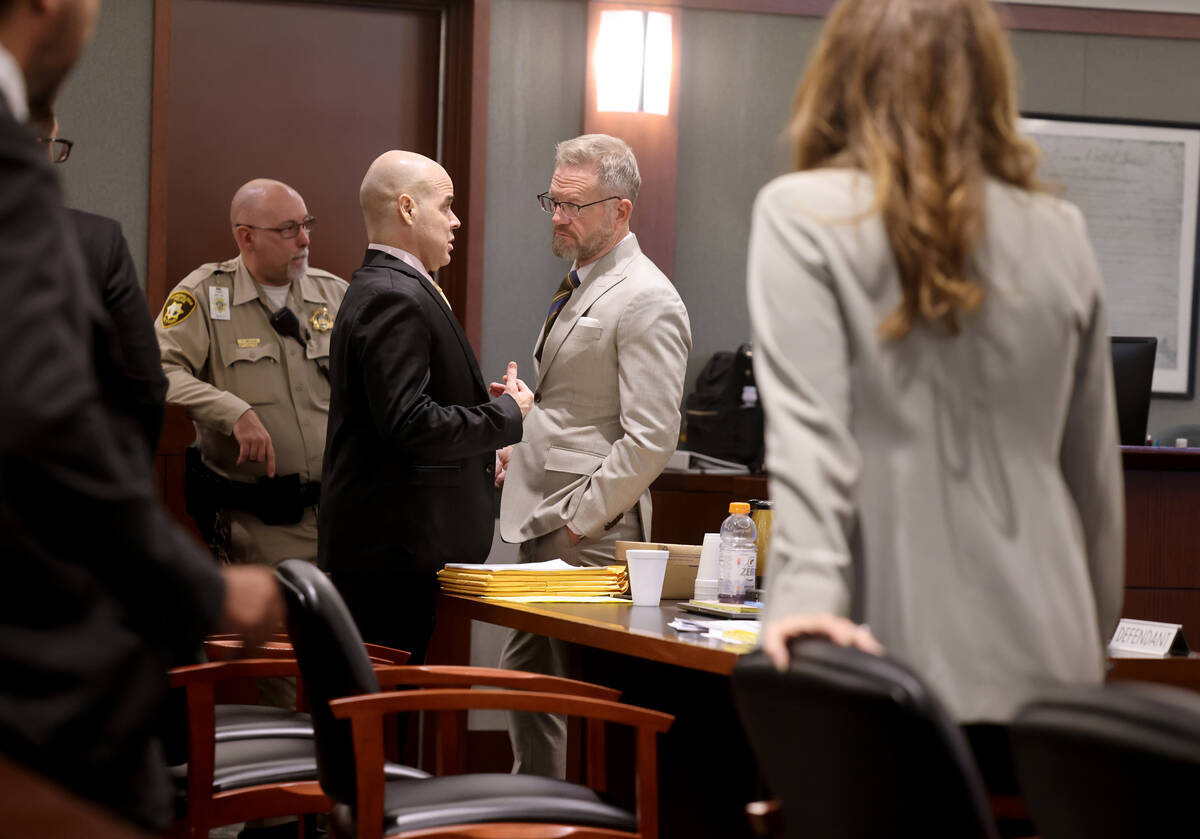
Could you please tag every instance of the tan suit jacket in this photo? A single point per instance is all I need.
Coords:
(962, 495)
(606, 416)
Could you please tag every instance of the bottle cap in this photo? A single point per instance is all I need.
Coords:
(737, 507)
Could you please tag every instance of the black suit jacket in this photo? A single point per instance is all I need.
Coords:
(141, 391)
(408, 474)
(97, 583)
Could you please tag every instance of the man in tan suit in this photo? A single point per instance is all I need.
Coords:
(610, 363)
(257, 388)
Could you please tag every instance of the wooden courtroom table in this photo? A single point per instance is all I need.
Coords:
(705, 767)
(1162, 526)
(631, 648)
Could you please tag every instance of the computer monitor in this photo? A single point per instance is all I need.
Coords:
(1133, 373)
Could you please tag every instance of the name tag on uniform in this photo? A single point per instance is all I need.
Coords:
(218, 303)
(1147, 638)
(248, 343)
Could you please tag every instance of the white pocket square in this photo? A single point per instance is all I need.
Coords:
(586, 321)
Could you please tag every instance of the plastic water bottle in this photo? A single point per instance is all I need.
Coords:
(737, 554)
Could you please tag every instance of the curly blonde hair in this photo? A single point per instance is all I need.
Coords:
(920, 95)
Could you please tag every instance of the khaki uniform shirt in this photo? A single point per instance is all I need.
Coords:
(222, 356)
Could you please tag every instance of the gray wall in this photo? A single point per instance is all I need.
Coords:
(105, 109)
(731, 116)
(1136, 78)
(731, 119)
(535, 99)
(733, 112)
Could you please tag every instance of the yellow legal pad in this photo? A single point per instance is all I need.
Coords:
(542, 579)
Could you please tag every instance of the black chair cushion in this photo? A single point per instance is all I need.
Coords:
(246, 722)
(1101, 763)
(481, 798)
(274, 760)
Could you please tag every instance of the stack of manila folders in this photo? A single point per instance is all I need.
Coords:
(535, 582)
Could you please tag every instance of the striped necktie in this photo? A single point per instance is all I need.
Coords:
(569, 284)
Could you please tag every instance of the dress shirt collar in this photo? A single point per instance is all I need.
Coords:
(404, 256)
(12, 86)
(586, 270)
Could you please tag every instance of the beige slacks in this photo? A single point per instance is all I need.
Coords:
(539, 741)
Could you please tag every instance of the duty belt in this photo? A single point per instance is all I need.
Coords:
(277, 501)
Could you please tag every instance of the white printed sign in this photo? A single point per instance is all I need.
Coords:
(1147, 638)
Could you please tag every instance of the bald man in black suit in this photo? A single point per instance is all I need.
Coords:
(413, 431)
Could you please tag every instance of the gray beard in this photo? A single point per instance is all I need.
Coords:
(296, 270)
(564, 250)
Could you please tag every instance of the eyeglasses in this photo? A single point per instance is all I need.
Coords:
(60, 150)
(287, 231)
(569, 210)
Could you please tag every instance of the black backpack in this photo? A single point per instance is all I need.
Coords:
(720, 422)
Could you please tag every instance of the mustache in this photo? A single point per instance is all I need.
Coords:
(301, 254)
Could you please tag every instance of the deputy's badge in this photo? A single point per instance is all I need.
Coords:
(321, 320)
(218, 302)
(179, 305)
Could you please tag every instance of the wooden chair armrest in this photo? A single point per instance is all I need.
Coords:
(376, 705)
(244, 668)
(233, 636)
(447, 675)
(227, 649)
(381, 655)
(765, 817)
(366, 714)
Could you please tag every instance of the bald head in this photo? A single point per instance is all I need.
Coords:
(256, 197)
(405, 199)
(258, 209)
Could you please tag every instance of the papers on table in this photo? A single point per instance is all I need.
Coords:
(554, 579)
(730, 631)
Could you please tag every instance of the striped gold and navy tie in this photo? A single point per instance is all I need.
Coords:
(569, 284)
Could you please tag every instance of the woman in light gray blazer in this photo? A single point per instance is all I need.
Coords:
(931, 348)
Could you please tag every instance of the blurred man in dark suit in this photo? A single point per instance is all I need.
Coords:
(142, 392)
(98, 585)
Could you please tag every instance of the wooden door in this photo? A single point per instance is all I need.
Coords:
(308, 93)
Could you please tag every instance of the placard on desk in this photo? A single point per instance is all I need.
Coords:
(1149, 639)
(1137, 184)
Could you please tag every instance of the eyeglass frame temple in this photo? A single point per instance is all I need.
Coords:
(307, 224)
(555, 204)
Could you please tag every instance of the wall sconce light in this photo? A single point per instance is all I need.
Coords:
(633, 62)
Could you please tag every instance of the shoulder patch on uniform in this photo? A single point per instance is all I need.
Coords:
(179, 305)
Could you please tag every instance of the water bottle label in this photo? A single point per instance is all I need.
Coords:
(737, 575)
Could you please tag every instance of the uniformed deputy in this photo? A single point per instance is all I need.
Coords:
(245, 347)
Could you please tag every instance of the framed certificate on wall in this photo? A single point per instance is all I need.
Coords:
(1137, 184)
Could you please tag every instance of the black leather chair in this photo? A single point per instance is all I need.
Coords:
(855, 746)
(1120, 761)
(348, 708)
(247, 761)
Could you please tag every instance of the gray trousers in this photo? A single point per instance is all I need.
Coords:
(539, 741)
